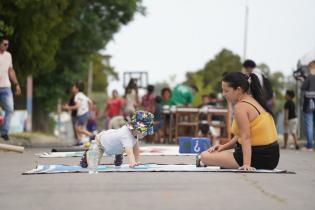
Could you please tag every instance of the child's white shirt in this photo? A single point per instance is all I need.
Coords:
(115, 140)
(83, 100)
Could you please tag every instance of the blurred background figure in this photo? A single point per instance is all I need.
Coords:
(73, 113)
(290, 119)
(82, 105)
(250, 67)
(91, 125)
(308, 87)
(148, 100)
(166, 94)
(131, 98)
(205, 101)
(214, 101)
(114, 107)
(183, 95)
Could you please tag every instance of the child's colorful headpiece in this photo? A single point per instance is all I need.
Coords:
(142, 121)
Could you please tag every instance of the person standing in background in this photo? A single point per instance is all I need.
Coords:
(148, 100)
(114, 106)
(308, 87)
(250, 67)
(7, 73)
(132, 98)
(290, 120)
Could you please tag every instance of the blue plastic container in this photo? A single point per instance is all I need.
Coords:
(193, 145)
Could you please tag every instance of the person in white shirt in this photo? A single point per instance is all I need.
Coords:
(7, 73)
(250, 67)
(113, 142)
(82, 104)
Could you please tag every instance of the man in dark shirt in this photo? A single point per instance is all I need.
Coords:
(308, 87)
(290, 120)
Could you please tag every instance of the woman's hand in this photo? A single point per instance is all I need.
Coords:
(214, 148)
(247, 168)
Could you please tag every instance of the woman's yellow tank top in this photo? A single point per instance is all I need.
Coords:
(262, 129)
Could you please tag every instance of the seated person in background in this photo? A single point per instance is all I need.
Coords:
(166, 94)
(255, 134)
(213, 100)
(166, 103)
(183, 94)
(205, 101)
(113, 142)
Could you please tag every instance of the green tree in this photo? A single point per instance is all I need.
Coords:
(54, 40)
(100, 73)
(208, 78)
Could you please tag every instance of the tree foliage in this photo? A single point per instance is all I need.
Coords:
(208, 78)
(54, 40)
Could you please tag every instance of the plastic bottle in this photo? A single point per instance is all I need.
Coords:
(92, 158)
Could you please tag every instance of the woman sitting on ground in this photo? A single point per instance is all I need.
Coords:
(255, 134)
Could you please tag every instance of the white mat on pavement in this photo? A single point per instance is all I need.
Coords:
(52, 169)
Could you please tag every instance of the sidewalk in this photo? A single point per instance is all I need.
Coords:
(34, 139)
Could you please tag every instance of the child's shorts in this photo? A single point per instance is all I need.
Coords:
(82, 119)
(291, 127)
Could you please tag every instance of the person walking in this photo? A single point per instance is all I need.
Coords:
(7, 75)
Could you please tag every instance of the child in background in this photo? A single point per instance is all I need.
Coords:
(290, 120)
(113, 142)
(82, 104)
(91, 123)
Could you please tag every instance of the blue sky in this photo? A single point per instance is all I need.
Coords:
(177, 36)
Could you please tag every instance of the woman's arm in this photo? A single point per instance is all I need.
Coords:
(229, 144)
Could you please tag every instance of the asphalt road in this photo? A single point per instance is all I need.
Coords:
(150, 191)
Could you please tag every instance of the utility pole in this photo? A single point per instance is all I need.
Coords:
(245, 31)
(29, 103)
(90, 80)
